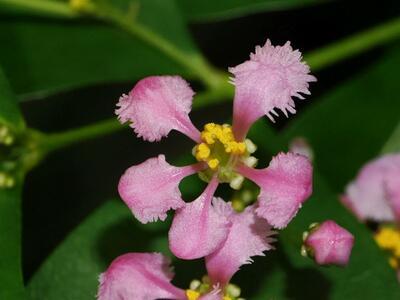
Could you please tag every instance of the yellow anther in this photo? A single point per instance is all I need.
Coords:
(227, 298)
(218, 144)
(388, 238)
(192, 295)
(208, 137)
(213, 163)
(393, 262)
(202, 151)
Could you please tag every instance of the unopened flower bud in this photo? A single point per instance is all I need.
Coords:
(329, 244)
(300, 145)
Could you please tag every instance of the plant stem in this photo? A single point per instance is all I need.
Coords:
(42, 7)
(193, 62)
(54, 141)
(354, 44)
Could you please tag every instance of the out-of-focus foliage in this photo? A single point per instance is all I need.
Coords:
(354, 121)
(9, 113)
(11, 283)
(89, 52)
(200, 10)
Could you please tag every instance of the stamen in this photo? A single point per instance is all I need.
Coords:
(192, 295)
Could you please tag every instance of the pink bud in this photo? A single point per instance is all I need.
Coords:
(330, 244)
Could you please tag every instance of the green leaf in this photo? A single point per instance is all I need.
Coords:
(9, 112)
(349, 125)
(11, 281)
(290, 276)
(287, 275)
(71, 271)
(56, 55)
(393, 143)
(199, 10)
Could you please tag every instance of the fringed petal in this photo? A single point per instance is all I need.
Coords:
(157, 105)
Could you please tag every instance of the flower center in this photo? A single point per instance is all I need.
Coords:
(199, 288)
(388, 238)
(222, 152)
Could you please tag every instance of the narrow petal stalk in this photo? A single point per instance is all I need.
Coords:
(249, 236)
(197, 229)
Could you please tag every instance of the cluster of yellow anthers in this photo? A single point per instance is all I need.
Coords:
(388, 238)
(208, 151)
(199, 288)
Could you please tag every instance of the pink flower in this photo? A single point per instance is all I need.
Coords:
(147, 276)
(375, 193)
(159, 104)
(330, 244)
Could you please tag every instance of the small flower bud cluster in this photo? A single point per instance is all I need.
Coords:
(7, 139)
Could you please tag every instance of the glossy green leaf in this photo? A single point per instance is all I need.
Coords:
(350, 125)
(295, 277)
(9, 111)
(71, 272)
(11, 282)
(200, 10)
(56, 55)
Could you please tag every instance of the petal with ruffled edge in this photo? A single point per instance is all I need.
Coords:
(249, 236)
(197, 229)
(285, 185)
(393, 192)
(139, 276)
(157, 105)
(372, 195)
(330, 244)
(151, 188)
(269, 80)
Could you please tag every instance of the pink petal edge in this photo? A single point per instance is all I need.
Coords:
(372, 195)
(249, 236)
(151, 188)
(197, 228)
(269, 80)
(139, 276)
(156, 105)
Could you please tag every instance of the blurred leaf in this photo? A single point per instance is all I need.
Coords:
(200, 10)
(9, 111)
(11, 281)
(349, 125)
(368, 276)
(393, 143)
(55, 55)
(71, 272)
